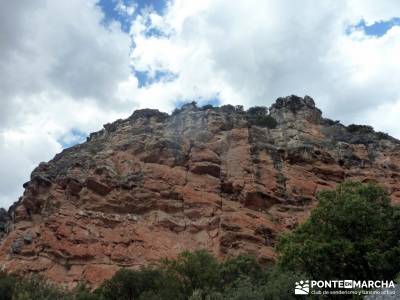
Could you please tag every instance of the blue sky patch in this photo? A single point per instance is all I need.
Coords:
(111, 12)
(376, 29)
(145, 79)
(155, 33)
(214, 101)
(71, 138)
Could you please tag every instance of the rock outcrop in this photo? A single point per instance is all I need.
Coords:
(155, 184)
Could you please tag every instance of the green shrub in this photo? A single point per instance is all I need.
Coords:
(81, 292)
(398, 278)
(264, 121)
(363, 129)
(193, 270)
(37, 288)
(280, 284)
(228, 108)
(243, 289)
(257, 111)
(239, 108)
(382, 135)
(175, 111)
(130, 284)
(241, 266)
(258, 115)
(7, 284)
(207, 106)
(352, 233)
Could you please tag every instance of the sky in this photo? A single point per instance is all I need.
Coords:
(67, 67)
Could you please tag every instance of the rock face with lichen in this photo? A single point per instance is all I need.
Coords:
(153, 185)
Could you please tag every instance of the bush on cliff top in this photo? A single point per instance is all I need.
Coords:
(258, 115)
(362, 129)
(264, 121)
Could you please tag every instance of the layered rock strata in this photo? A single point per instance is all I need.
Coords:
(153, 185)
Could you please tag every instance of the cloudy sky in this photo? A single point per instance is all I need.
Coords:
(67, 67)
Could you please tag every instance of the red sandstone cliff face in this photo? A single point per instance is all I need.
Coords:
(154, 185)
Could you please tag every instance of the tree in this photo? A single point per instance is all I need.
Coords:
(81, 292)
(243, 289)
(353, 233)
(130, 284)
(7, 284)
(242, 266)
(264, 121)
(38, 288)
(193, 270)
(279, 284)
(257, 111)
(207, 106)
(258, 115)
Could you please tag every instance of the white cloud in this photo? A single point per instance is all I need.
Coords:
(125, 9)
(62, 46)
(62, 69)
(19, 153)
(372, 11)
(251, 52)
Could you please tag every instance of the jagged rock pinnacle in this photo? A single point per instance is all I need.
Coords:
(294, 108)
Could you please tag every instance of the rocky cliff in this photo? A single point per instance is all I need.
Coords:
(155, 184)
